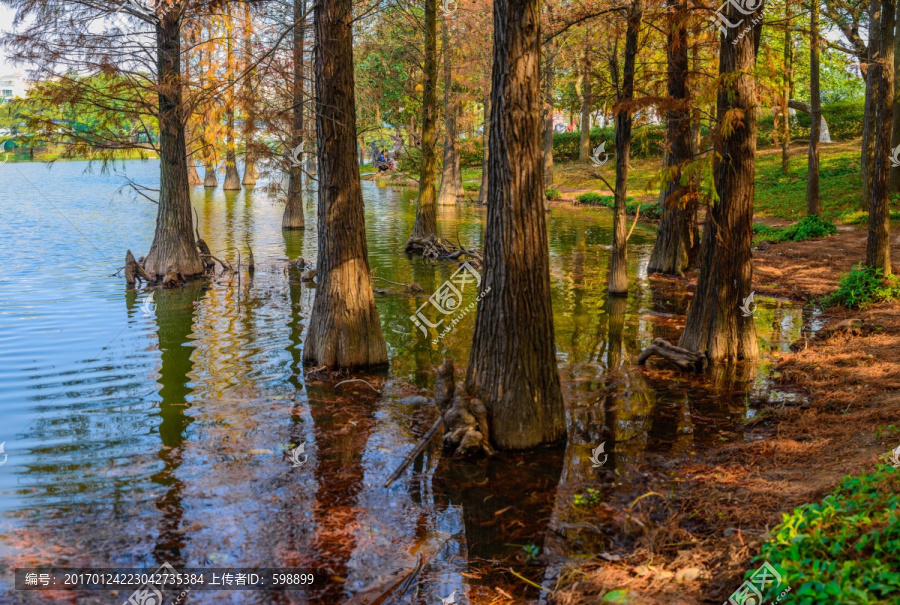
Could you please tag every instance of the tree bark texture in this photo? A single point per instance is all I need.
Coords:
(878, 250)
(714, 324)
(787, 90)
(868, 135)
(584, 144)
(678, 238)
(895, 136)
(293, 209)
(550, 50)
(426, 210)
(512, 366)
(449, 187)
(344, 327)
(618, 263)
(813, 204)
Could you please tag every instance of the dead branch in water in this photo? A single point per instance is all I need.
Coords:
(134, 271)
(407, 287)
(416, 451)
(436, 248)
(684, 360)
(358, 380)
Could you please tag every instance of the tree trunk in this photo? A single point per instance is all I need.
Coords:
(868, 135)
(618, 263)
(512, 366)
(584, 146)
(209, 176)
(344, 327)
(193, 177)
(485, 152)
(813, 204)
(232, 180)
(426, 211)
(173, 241)
(549, 77)
(895, 138)
(451, 153)
(678, 239)
(878, 251)
(250, 173)
(787, 90)
(714, 323)
(293, 208)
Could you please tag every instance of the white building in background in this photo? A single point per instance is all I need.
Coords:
(12, 86)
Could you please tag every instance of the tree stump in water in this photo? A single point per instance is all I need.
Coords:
(684, 360)
(134, 271)
(465, 418)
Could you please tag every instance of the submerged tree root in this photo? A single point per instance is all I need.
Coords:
(436, 248)
(464, 419)
(684, 360)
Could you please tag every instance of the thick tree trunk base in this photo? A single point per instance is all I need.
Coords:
(250, 174)
(193, 177)
(684, 360)
(210, 179)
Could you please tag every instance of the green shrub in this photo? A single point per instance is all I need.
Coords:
(808, 227)
(863, 286)
(471, 187)
(648, 210)
(647, 141)
(844, 549)
(553, 194)
(470, 152)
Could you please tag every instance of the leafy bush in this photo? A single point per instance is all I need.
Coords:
(470, 152)
(809, 227)
(553, 194)
(844, 549)
(863, 286)
(648, 210)
(647, 141)
(844, 119)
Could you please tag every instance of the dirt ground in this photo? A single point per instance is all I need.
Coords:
(847, 374)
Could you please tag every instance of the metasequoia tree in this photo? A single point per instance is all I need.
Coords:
(232, 180)
(715, 324)
(451, 175)
(881, 70)
(678, 239)
(618, 268)
(344, 327)
(512, 366)
(89, 57)
(248, 93)
(868, 135)
(551, 48)
(293, 209)
(426, 211)
(584, 143)
(813, 204)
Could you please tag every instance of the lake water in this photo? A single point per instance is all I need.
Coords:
(134, 438)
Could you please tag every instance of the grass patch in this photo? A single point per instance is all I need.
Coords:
(553, 194)
(648, 210)
(861, 287)
(844, 549)
(860, 217)
(809, 227)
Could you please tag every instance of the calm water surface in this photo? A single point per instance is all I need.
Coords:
(135, 438)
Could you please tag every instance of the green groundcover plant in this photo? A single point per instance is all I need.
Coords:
(844, 549)
(809, 227)
(863, 286)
